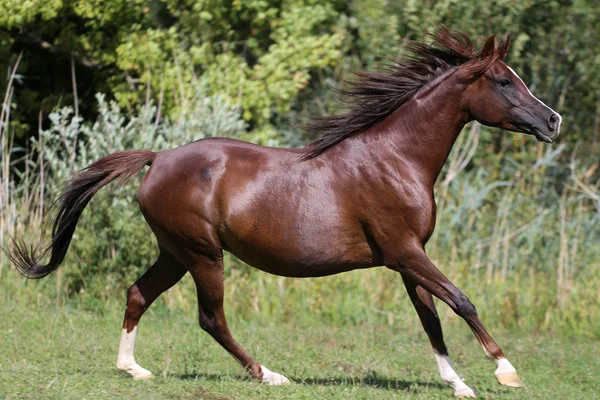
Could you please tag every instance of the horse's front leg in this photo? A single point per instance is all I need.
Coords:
(415, 265)
(423, 302)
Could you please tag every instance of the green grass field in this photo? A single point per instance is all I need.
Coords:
(68, 353)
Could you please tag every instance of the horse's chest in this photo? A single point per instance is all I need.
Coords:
(402, 215)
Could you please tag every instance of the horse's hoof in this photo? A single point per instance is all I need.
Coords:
(273, 378)
(464, 392)
(510, 379)
(136, 372)
(143, 376)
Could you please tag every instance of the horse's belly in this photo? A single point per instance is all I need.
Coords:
(283, 265)
(296, 254)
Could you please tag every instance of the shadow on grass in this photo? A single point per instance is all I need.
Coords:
(364, 381)
(373, 382)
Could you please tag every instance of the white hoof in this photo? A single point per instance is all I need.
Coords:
(510, 379)
(135, 371)
(506, 374)
(273, 378)
(464, 391)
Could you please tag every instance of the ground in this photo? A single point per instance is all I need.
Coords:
(68, 353)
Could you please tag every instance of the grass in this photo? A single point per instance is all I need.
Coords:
(69, 353)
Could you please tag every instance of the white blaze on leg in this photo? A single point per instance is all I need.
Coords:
(273, 378)
(126, 361)
(448, 374)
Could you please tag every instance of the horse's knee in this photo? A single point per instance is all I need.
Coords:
(464, 307)
(207, 324)
(214, 326)
(136, 303)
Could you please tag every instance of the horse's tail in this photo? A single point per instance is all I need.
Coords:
(79, 190)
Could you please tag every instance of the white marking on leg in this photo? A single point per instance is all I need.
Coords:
(126, 361)
(273, 378)
(506, 374)
(504, 366)
(448, 374)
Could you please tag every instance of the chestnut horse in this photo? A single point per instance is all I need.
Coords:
(361, 196)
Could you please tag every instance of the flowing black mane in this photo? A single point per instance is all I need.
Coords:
(375, 95)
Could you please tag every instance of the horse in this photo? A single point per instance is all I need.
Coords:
(359, 196)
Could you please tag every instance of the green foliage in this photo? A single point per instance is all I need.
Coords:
(15, 13)
(262, 72)
(259, 54)
(273, 57)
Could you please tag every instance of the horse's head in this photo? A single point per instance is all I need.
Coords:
(498, 97)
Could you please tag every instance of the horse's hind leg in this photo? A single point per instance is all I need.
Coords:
(166, 272)
(208, 275)
(423, 302)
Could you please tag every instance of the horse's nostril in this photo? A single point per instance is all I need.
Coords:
(553, 121)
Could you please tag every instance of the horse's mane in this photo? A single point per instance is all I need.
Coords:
(375, 95)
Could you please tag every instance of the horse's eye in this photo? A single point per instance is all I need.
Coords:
(504, 82)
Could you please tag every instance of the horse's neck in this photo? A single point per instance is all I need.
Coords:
(423, 131)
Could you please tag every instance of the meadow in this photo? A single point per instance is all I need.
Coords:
(52, 351)
(67, 352)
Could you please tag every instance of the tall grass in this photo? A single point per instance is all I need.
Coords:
(518, 232)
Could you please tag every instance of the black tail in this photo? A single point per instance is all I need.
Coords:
(79, 191)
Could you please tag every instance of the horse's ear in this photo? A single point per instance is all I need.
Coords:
(503, 50)
(489, 47)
